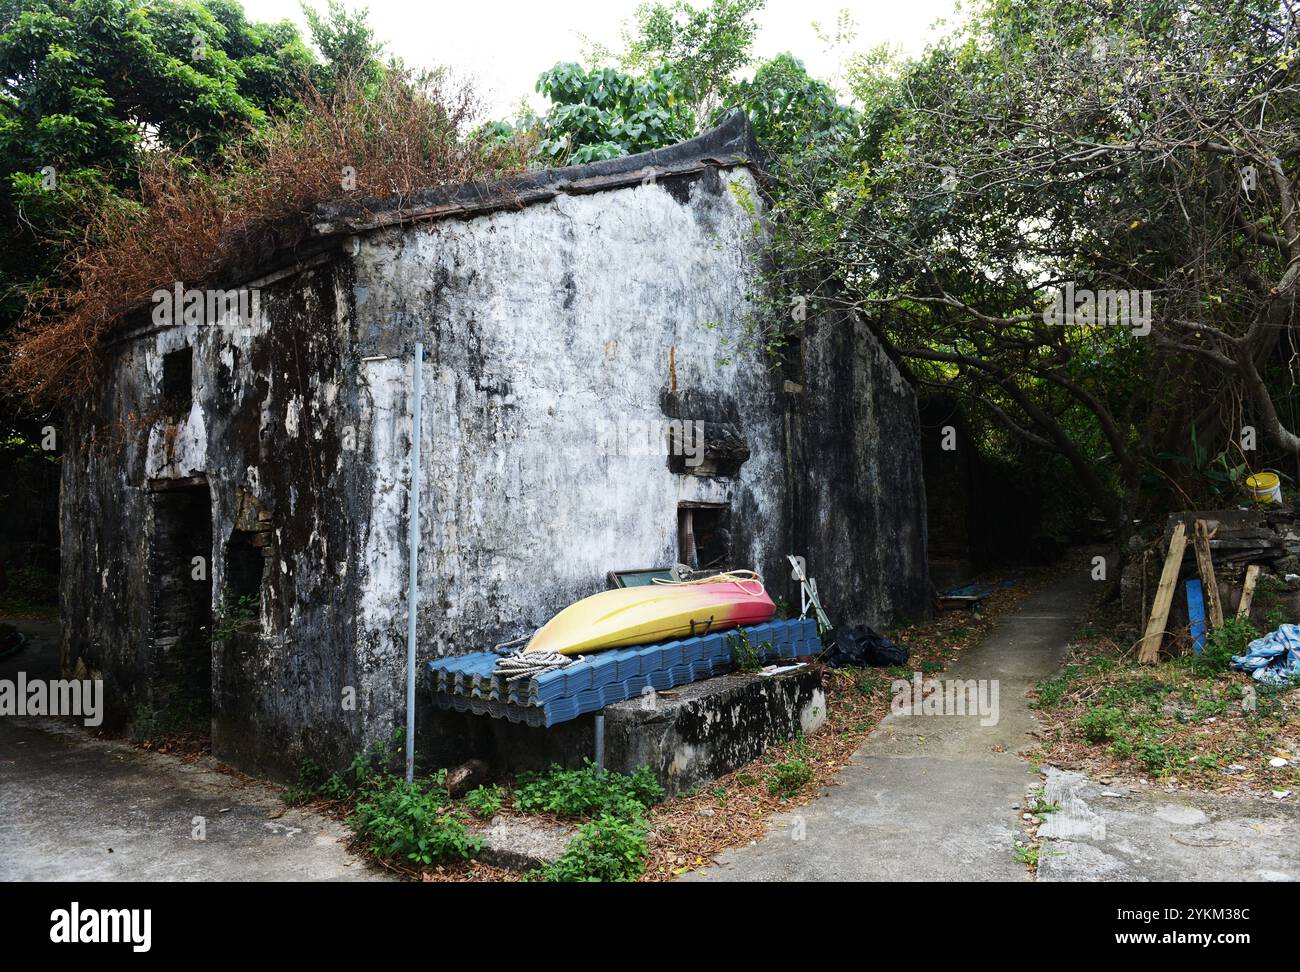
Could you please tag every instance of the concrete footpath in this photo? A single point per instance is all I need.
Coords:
(937, 797)
(73, 807)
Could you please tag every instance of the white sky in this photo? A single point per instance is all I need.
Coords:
(505, 44)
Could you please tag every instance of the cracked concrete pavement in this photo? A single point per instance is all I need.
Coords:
(74, 807)
(1117, 832)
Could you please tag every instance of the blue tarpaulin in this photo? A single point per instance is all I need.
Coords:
(1273, 659)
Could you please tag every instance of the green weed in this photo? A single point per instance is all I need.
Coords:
(605, 849)
(485, 801)
(745, 656)
(1103, 724)
(1225, 641)
(587, 792)
(411, 821)
(789, 777)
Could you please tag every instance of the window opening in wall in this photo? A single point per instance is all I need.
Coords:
(704, 536)
(178, 380)
(245, 567)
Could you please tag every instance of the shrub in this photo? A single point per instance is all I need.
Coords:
(310, 779)
(1102, 724)
(411, 821)
(31, 590)
(789, 778)
(398, 133)
(1231, 638)
(380, 760)
(485, 801)
(588, 792)
(606, 849)
(335, 788)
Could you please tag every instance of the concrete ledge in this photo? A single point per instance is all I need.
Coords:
(522, 845)
(698, 732)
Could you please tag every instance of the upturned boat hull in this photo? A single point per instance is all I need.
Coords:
(644, 615)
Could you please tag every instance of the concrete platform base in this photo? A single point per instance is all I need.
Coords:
(698, 732)
(689, 735)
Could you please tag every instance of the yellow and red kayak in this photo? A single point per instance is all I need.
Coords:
(644, 615)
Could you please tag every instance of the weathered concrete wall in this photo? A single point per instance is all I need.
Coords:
(263, 430)
(548, 331)
(860, 513)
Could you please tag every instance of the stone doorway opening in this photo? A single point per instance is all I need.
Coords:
(180, 602)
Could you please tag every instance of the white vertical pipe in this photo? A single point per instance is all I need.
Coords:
(412, 589)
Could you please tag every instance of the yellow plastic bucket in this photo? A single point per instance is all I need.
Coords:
(1265, 488)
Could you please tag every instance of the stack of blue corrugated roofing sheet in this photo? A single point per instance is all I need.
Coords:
(469, 683)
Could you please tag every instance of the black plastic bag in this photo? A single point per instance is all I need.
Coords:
(857, 646)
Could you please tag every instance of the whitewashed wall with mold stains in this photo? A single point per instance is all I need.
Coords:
(548, 333)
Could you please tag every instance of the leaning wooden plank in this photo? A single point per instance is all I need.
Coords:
(1164, 599)
(1206, 566)
(1196, 615)
(1247, 592)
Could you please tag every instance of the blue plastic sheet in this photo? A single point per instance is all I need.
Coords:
(1273, 659)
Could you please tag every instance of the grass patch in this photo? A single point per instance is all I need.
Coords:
(1189, 719)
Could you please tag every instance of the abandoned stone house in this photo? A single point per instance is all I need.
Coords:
(235, 506)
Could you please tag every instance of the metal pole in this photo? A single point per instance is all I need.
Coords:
(412, 589)
(600, 743)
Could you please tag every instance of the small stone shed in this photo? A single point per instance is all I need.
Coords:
(235, 503)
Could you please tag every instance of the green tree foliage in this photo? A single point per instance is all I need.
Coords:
(89, 84)
(677, 75)
(89, 88)
(1061, 143)
(704, 46)
(791, 111)
(603, 113)
(346, 42)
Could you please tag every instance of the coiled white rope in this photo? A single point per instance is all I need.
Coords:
(738, 577)
(525, 664)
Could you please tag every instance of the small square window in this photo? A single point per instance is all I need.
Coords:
(245, 567)
(178, 380)
(704, 536)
